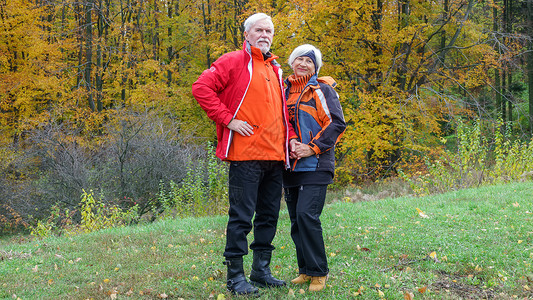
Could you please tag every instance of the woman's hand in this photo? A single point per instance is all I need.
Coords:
(300, 150)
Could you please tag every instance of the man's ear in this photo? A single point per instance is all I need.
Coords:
(245, 34)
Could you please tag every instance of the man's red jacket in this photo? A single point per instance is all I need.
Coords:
(221, 89)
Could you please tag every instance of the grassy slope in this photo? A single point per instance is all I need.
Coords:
(482, 239)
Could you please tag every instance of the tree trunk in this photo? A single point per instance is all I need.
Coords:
(530, 64)
(170, 48)
(510, 96)
(207, 30)
(497, 81)
(89, 5)
(504, 98)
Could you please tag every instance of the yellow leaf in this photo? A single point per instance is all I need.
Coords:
(381, 294)
(291, 292)
(421, 213)
(106, 280)
(433, 255)
(520, 241)
(221, 297)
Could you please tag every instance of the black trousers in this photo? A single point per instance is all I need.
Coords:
(305, 204)
(254, 187)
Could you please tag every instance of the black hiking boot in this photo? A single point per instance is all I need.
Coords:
(236, 281)
(261, 275)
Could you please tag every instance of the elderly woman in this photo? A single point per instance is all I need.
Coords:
(316, 114)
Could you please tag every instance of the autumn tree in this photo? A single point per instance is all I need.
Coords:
(403, 67)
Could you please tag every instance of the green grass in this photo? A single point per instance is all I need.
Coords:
(481, 239)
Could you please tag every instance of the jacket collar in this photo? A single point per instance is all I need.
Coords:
(267, 57)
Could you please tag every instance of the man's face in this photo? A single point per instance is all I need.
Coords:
(260, 35)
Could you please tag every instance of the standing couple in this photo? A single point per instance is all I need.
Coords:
(273, 137)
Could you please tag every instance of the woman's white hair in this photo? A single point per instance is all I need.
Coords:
(254, 18)
(303, 49)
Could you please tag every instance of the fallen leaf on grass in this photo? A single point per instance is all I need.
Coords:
(363, 248)
(35, 269)
(145, 292)
(433, 255)
(162, 296)
(381, 294)
(516, 204)
(221, 297)
(408, 296)
(291, 292)
(422, 289)
(301, 291)
(421, 213)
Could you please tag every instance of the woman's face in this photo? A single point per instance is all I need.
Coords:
(303, 66)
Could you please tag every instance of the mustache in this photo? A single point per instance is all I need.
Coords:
(264, 40)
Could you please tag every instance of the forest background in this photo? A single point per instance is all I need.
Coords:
(95, 99)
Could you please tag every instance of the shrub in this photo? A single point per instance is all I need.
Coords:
(95, 215)
(477, 160)
(202, 192)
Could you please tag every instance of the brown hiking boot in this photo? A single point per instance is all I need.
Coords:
(318, 283)
(301, 279)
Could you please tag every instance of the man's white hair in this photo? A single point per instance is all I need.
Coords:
(254, 18)
(303, 49)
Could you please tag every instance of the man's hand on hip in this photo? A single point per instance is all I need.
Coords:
(241, 127)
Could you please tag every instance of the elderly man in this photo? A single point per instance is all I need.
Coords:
(243, 93)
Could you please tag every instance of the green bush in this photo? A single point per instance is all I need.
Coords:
(202, 192)
(95, 215)
(478, 159)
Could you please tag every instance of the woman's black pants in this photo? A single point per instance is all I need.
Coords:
(305, 204)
